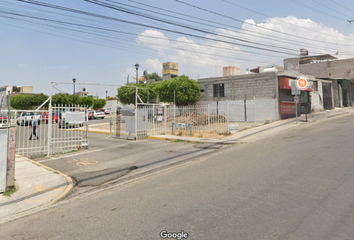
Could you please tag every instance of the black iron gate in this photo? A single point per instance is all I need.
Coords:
(327, 95)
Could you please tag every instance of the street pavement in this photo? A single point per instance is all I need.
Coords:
(44, 182)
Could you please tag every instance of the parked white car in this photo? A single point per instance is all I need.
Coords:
(107, 110)
(99, 113)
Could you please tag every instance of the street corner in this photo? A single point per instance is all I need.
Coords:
(39, 185)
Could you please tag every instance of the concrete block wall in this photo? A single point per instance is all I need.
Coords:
(263, 85)
(330, 69)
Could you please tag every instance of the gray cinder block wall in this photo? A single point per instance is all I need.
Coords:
(243, 87)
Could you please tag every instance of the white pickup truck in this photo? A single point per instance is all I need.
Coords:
(25, 118)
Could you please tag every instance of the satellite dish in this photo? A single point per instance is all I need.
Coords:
(145, 72)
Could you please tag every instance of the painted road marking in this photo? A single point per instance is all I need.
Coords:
(83, 162)
(39, 190)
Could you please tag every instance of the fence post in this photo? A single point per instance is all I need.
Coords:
(208, 118)
(165, 119)
(153, 119)
(136, 114)
(50, 122)
(255, 110)
(227, 116)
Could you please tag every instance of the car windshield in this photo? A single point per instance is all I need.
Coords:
(28, 114)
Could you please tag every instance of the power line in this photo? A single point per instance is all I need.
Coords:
(330, 8)
(316, 10)
(270, 37)
(342, 6)
(283, 22)
(245, 44)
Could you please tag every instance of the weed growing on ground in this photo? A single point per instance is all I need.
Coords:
(8, 193)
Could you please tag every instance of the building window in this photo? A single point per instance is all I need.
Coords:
(218, 90)
(201, 90)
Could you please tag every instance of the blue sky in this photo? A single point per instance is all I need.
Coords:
(40, 45)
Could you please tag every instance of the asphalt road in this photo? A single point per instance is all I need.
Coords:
(111, 159)
(296, 185)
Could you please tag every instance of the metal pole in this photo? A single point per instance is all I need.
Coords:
(296, 107)
(165, 119)
(217, 102)
(49, 116)
(227, 116)
(153, 119)
(174, 97)
(254, 100)
(208, 118)
(8, 108)
(136, 113)
(244, 104)
(148, 96)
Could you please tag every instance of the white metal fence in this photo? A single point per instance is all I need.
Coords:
(220, 118)
(64, 131)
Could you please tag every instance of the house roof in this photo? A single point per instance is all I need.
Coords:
(309, 59)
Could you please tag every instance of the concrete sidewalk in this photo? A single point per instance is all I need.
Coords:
(36, 186)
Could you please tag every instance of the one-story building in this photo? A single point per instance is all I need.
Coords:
(261, 96)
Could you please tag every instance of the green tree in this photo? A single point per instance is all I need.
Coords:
(87, 101)
(60, 99)
(186, 90)
(98, 103)
(153, 76)
(27, 101)
(126, 95)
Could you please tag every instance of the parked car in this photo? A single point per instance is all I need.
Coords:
(25, 118)
(3, 118)
(90, 113)
(55, 118)
(99, 113)
(107, 110)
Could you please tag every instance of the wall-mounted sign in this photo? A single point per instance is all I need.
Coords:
(287, 108)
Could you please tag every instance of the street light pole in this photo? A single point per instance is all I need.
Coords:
(136, 68)
(74, 81)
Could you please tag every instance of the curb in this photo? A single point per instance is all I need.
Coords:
(97, 131)
(68, 189)
(172, 139)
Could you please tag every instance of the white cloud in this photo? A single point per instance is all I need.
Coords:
(153, 65)
(202, 57)
(155, 40)
(23, 65)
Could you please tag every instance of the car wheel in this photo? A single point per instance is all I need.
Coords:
(18, 124)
